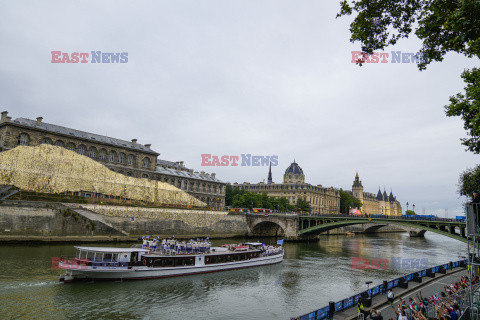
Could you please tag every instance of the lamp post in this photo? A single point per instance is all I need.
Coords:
(407, 209)
(413, 208)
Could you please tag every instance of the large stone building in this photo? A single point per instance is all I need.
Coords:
(376, 204)
(322, 200)
(126, 157)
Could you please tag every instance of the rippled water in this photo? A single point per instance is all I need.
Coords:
(311, 275)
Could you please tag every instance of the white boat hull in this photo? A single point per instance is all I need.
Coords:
(134, 273)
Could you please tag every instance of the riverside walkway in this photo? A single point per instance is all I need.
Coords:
(430, 279)
(428, 288)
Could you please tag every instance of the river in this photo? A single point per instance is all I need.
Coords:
(311, 275)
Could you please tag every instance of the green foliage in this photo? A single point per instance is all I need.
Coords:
(469, 181)
(239, 198)
(230, 193)
(410, 213)
(442, 25)
(467, 106)
(348, 201)
(303, 205)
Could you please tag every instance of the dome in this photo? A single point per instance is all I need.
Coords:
(294, 168)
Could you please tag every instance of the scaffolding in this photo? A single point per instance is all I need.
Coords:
(56, 170)
(473, 249)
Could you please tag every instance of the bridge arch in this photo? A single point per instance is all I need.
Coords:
(268, 229)
(414, 228)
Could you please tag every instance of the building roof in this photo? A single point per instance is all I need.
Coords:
(357, 182)
(294, 168)
(391, 198)
(379, 195)
(186, 174)
(81, 134)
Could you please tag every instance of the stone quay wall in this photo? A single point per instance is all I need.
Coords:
(165, 222)
(40, 221)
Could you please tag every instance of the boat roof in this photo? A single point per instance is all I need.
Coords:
(110, 249)
(253, 243)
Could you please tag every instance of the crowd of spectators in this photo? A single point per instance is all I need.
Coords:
(444, 305)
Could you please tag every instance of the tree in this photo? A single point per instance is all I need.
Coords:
(230, 193)
(469, 181)
(442, 26)
(303, 205)
(348, 201)
(467, 106)
(410, 213)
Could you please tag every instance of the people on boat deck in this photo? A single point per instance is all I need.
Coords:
(194, 246)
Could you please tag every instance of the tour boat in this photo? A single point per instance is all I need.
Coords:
(172, 258)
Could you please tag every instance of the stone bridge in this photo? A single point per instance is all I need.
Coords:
(296, 227)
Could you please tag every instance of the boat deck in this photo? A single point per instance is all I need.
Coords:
(214, 253)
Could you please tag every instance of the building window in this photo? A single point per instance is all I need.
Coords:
(111, 156)
(59, 143)
(82, 149)
(130, 160)
(121, 158)
(102, 155)
(71, 146)
(92, 153)
(146, 162)
(24, 139)
(47, 141)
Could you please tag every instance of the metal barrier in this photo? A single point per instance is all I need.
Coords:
(328, 312)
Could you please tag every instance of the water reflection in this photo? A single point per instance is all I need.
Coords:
(311, 275)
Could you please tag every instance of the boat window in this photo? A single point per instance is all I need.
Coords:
(211, 260)
(236, 257)
(229, 258)
(158, 262)
(134, 257)
(83, 255)
(169, 262)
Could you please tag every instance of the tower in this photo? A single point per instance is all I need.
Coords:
(357, 188)
(294, 174)
(269, 180)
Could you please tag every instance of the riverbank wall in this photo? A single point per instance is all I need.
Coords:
(32, 221)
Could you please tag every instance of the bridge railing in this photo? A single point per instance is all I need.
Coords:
(380, 216)
(328, 311)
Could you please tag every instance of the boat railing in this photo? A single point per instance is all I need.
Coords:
(72, 262)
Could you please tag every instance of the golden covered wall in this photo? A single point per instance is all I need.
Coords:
(52, 169)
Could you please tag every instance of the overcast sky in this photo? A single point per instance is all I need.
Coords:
(241, 77)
